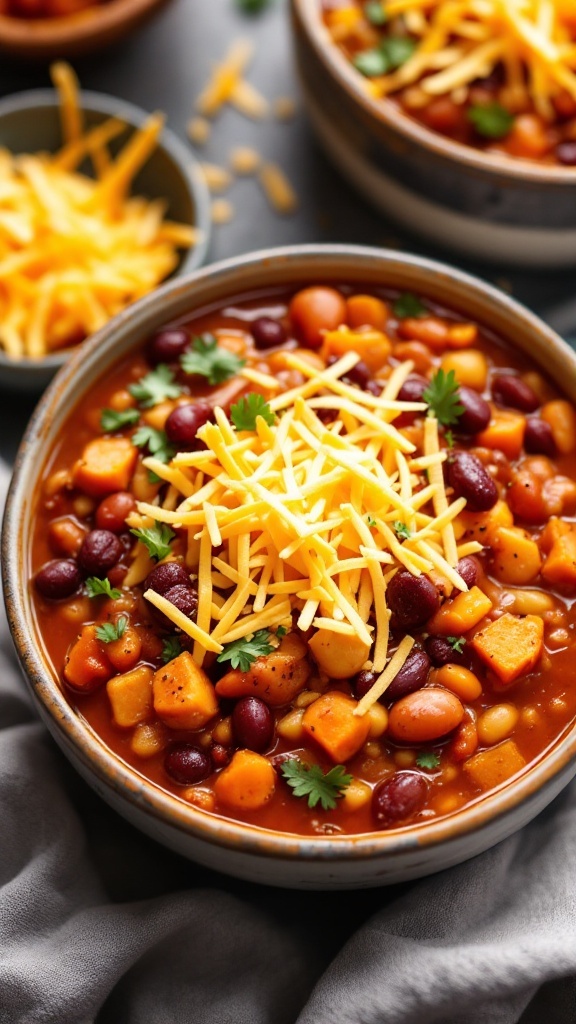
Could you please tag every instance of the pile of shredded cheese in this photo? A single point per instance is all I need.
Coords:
(74, 250)
(462, 40)
(298, 515)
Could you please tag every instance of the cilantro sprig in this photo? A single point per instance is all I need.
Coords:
(243, 414)
(402, 531)
(96, 587)
(457, 643)
(156, 538)
(108, 632)
(408, 304)
(308, 780)
(171, 648)
(374, 12)
(443, 398)
(391, 53)
(491, 120)
(243, 653)
(428, 759)
(155, 387)
(117, 419)
(156, 441)
(206, 358)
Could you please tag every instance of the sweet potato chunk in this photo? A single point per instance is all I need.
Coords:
(331, 721)
(106, 465)
(559, 539)
(372, 346)
(277, 677)
(511, 645)
(491, 767)
(482, 526)
(505, 432)
(517, 557)
(460, 614)
(247, 783)
(184, 697)
(338, 656)
(130, 695)
(87, 666)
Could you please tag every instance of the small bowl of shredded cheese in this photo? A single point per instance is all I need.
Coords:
(99, 203)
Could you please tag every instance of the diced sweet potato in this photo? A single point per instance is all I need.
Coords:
(277, 677)
(482, 526)
(247, 783)
(511, 645)
(505, 432)
(491, 767)
(331, 721)
(125, 652)
(373, 347)
(184, 697)
(338, 656)
(87, 666)
(461, 613)
(106, 465)
(130, 696)
(559, 539)
(517, 557)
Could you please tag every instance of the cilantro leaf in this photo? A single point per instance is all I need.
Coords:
(243, 653)
(449, 438)
(401, 530)
(428, 759)
(155, 387)
(114, 419)
(374, 12)
(371, 63)
(171, 648)
(390, 54)
(408, 304)
(252, 6)
(443, 398)
(111, 631)
(157, 539)
(243, 414)
(207, 359)
(370, 520)
(156, 441)
(457, 643)
(490, 119)
(310, 781)
(96, 587)
(281, 632)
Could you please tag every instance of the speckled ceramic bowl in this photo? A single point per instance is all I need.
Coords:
(494, 208)
(372, 859)
(29, 123)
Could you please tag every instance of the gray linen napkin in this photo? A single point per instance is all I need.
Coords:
(98, 924)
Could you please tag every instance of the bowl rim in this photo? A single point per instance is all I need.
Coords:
(36, 36)
(181, 157)
(74, 732)
(515, 168)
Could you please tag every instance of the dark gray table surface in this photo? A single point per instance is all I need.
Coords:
(165, 65)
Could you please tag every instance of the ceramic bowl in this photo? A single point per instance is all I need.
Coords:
(29, 123)
(483, 205)
(73, 35)
(269, 857)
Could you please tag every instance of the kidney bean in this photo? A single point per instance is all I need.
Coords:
(441, 652)
(220, 755)
(267, 332)
(412, 389)
(425, 715)
(373, 388)
(186, 764)
(398, 798)
(363, 682)
(566, 153)
(165, 576)
(469, 479)
(411, 599)
(253, 723)
(477, 413)
(411, 676)
(185, 598)
(538, 437)
(100, 551)
(508, 389)
(167, 346)
(468, 569)
(185, 421)
(112, 511)
(359, 375)
(58, 579)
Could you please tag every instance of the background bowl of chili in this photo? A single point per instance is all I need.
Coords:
(268, 855)
(481, 204)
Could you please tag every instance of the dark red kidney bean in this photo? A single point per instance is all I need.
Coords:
(112, 511)
(468, 569)
(373, 388)
(58, 579)
(267, 332)
(399, 798)
(360, 375)
(185, 421)
(363, 682)
(441, 652)
(413, 389)
(566, 153)
(411, 599)
(186, 764)
(538, 438)
(477, 413)
(99, 552)
(412, 676)
(469, 479)
(165, 576)
(184, 598)
(167, 346)
(253, 723)
(220, 755)
(508, 389)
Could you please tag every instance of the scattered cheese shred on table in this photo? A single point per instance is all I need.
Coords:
(299, 516)
(228, 85)
(278, 189)
(222, 211)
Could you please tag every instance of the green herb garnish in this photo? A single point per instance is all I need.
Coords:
(449, 438)
(310, 781)
(457, 643)
(243, 414)
(490, 119)
(243, 653)
(281, 632)
(370, 520)
(96, 587)
(443, 398)
(408, 304)
(401, 530)
(113, 419)
(171, 648)
(156, 441)
(155, 387)
(157, 539)
(111, 631)
(390, 54)
(428, 759)
(374, 12)
(252, 6)
(207, 359)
